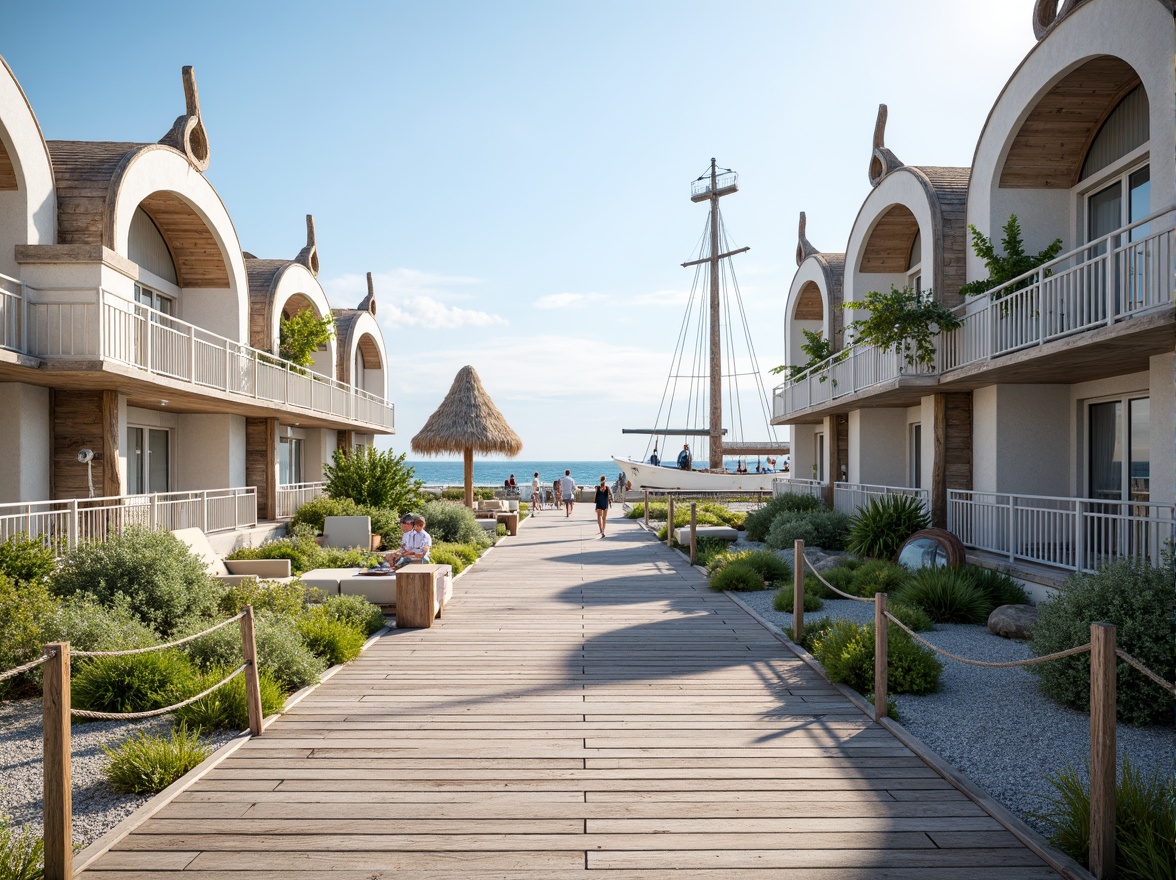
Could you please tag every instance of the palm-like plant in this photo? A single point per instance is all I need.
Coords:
(879, 528)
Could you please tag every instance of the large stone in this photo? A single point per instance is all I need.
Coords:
(1013, 621)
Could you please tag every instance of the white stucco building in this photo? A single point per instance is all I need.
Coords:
(134, 326)
(1044, 430)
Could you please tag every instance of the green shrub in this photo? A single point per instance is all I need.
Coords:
(709, 549)
(879, 528)
(442, 554)
(454, 524)
(878, 576)
(457, 493)
(350, 557)
(998, 587)
(817, 528)
(280, 650)
(467, 554)
(682, 520)
(22, 853)
(90, 626)
(846, 650)
(300, 549)
(356, 611)
(372, 477)
(783, 600)
(1145, 813)
(840, 576)
(759, 522)
(24, 610)
(314, 512)
(739, 577)
(1140, 600)
(146, 764)
(164, 580)
(767, 564)
(336, 641)
(264, 596)
(813, 630)
(227, 707)
(947, 595)
(133, 682)
(911, 615)
(27, 561)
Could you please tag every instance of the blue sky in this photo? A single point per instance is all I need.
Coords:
(516, 174)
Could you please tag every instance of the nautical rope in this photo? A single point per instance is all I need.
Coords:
(1168, 686)
(833, 588)
(129, 716)
(18, 670)
(1070, 651)
(182, 641)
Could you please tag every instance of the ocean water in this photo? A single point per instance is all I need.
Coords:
(491, 472)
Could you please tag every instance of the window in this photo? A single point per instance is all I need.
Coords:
(147, 460)
(1119, 451)
(915, 455)
(153, 299)
(914, 267)
(289, 460)
(819, 464)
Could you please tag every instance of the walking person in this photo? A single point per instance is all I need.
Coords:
(603, 502)
(567, 488)
(536, 493)
(557, 488)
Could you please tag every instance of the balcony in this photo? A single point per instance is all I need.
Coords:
(95, 325)
(293, 495)
(1121, 281)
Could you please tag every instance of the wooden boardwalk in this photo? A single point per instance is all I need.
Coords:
(586, 708)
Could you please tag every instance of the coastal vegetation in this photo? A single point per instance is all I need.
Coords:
(903, 320)
(302, 334)
(1012, 263)
(372, 478)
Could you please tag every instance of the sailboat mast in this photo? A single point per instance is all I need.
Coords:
(716, 374)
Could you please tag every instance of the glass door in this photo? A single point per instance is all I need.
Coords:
(148, 465)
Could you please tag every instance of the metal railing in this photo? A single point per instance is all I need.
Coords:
(812, 488)
(1122, 274)
(97, 324)
(1077, 534)
(294, 495)
(65, 524)
(848, 497)
(11, 314)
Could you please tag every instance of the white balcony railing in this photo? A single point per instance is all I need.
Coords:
(1126, 273)
(812, 488)
(1072, 533)
(848, 497)
(96, 324)
(11, 314)
(294, 495)
(67, 523)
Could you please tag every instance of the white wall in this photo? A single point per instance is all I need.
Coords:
(1022, 439)
(26, 439)
(1162, 378)
(877, 446)
(210, 451)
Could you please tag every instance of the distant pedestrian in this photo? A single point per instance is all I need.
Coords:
(536, 493)
(556, 488)
(684, 459)
(653, 459)
(567, 488)
(603, 502)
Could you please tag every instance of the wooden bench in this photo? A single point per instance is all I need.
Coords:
(421, 594)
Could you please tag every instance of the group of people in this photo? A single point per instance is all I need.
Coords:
(563, 491)
(415, 542)
(686, 462)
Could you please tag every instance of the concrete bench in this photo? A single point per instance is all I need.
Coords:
(723, 533)
(232, 571)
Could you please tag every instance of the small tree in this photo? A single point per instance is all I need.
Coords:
(374, 478)
(299, 337)
(1012, 263)
(903, 320)
(818, 349)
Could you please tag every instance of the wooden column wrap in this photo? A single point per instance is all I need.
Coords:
(951, 462)
(261, 464)
(345, 440)
(84, 420)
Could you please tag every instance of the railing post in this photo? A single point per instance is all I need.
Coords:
(1109, 274)
(252, 681)
(693, 532)
(204, 510)
(58, 795)
(192, 353)
(255, 374)
(646, 508)
(670, 521)
(229, 365)
(1012, 527)
(155, 523)
(881, 658)
(1079, 537)
(797, 590)
(74, 537)
(1102, 750)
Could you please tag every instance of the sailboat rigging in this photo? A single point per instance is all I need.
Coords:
(716, 369)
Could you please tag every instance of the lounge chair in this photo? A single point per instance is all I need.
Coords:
(233, 571)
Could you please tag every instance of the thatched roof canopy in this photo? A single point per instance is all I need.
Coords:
(467, 419)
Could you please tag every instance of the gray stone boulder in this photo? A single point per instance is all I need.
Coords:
(1013, 621)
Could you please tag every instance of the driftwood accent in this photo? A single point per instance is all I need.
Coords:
(368, 304)
(187, 133)
(308, 256)
(85, 420)
(261, 464)
(1049, 147)
(951, 458)
(804, 248)
(882, 161)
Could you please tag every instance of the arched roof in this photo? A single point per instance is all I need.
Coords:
(25, 166)
(272, 284)
(816, 291)
(358, 330)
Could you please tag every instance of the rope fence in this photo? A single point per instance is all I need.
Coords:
(1103, 657)
(58, 796)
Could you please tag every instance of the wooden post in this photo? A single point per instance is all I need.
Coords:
(467, 467)
(797, 591)
(1102, 750)
(693, 532)
(58, 795)
(646, 508)
(670, 521)
(881, 652)
(252, 682)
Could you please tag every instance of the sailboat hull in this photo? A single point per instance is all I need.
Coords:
(647, 476)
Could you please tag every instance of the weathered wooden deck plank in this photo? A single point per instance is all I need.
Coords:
(585, 707)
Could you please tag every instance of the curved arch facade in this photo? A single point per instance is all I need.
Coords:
(812, 304)
(363, 360)
(198, 231)
(1087, 61)
(294, 288)
(28, 196)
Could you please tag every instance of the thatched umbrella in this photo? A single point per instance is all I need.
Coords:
(467, 421)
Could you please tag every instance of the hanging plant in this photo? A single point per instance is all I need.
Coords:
(300, 336)
(904, 320)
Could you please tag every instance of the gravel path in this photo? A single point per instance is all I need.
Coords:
(96, 807)
(995, 725)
